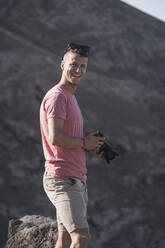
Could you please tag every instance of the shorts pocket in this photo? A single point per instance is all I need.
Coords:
(64, 184)
(58, 184)
(49, 184)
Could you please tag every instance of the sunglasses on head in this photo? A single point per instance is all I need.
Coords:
(82, 49)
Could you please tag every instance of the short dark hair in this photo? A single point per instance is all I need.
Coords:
(82, 50)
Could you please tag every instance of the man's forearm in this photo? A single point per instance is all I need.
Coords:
(63, 140)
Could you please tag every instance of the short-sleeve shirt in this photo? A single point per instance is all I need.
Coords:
(62, 162)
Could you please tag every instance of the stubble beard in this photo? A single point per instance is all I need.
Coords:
(71, 82)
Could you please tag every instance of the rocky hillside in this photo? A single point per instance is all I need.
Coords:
(122, 95)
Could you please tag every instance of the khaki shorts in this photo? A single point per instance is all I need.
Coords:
(70, 198)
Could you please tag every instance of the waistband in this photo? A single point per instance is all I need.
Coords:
(75, 180)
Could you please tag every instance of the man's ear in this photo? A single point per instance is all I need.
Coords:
(62, 65)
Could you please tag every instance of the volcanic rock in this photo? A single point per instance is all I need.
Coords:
(32, 232)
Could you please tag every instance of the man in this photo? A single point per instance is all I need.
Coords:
(64, 148)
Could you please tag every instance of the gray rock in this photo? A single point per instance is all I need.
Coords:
(32, 232)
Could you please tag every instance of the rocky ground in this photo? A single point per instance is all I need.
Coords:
(32, 231)
(122, 95)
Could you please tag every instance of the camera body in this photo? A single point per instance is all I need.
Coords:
(109, 153)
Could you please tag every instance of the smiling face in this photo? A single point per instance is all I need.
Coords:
(74, 68)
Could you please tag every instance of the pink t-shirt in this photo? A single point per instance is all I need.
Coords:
(62, 162)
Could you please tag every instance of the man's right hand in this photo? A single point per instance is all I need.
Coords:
(93, 142)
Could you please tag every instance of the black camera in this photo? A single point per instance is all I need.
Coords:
(109, 153)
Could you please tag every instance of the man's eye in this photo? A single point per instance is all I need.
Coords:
(74, 64)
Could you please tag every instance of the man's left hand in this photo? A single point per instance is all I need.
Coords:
(95, 153)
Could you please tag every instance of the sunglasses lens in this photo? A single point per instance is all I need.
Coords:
(84, 50)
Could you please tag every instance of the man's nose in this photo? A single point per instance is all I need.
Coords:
(78, 69)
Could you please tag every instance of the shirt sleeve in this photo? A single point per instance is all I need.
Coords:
(56, 106)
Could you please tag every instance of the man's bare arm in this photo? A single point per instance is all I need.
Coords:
(58, 138)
